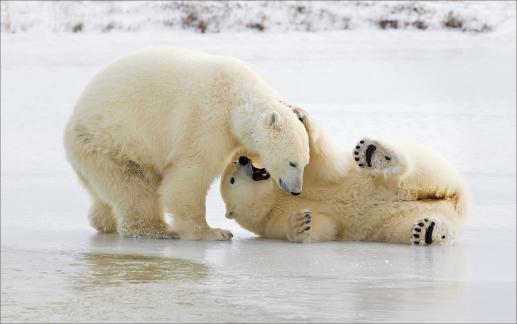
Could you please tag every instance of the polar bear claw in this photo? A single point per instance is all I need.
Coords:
(300, 226)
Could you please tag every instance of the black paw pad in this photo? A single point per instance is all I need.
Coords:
(369, 153)
(422, 232)
(429, 234)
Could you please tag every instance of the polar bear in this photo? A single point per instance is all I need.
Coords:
(153, 129)
(383, 191)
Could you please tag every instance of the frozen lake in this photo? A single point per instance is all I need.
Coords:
(450, 91)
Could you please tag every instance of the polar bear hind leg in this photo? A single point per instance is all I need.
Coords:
(440, 195)
(100, 214)
(418, 223)
(101, 217)
(128, 194)
(429, 231)
(377, 158)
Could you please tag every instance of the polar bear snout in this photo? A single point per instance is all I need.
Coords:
(291, 179)
(293, 189)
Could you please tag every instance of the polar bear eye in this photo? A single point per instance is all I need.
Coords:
(292, 164)
(232, 180)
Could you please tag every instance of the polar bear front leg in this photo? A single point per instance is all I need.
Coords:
(303, 226)
(183, 192)
(141, 217)
(304, 118)
(299, 226)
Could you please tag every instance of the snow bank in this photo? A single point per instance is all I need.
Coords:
(259, 16)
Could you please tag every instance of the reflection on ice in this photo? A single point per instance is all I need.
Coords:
(121, 269)
(247, 279)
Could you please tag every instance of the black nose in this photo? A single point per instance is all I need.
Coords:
(295, 193)
(243, 160)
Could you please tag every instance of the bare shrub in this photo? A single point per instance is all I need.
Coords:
(346, 22)
(453, 21)
(109, 27)
(419, 24)
(258, 26)
(77, 28)
(388, 24)
(202, 26)
(192, 20)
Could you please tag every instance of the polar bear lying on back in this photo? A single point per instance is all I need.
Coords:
(153, 130)
(391, 192)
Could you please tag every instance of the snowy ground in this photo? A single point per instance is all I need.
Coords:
(257, 16)
(450, 91)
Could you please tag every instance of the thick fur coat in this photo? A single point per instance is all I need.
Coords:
(378, 191)
(153, 130)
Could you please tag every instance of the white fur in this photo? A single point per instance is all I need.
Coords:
(347, 202)
(154, 128)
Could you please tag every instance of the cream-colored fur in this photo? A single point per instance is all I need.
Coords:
(153, 130)
(407, 192)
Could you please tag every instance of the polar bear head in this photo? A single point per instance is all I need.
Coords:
(281, 141)
(247, 191)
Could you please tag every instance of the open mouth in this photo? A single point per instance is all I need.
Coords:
(257, 174)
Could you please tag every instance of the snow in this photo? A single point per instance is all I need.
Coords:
(454, 92)
(259, 16)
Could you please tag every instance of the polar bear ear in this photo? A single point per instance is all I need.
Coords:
(273, 120)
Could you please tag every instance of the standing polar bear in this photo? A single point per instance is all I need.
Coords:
(391, 192)
(154, 129)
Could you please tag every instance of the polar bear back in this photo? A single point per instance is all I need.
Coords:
(157, 100)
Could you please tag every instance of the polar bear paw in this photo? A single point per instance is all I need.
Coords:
(303, 117)
(150, 230)
(377, 158)
(429, 231)
(209, 234)
(216, 234)
(300, 226)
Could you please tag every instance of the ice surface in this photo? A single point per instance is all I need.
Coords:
(454, 93)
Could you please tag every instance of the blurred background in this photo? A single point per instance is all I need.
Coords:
(260, 16)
